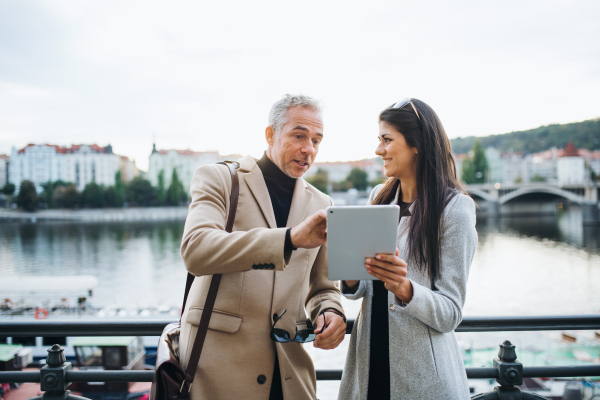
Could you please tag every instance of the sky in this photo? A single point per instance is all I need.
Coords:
(203, 75)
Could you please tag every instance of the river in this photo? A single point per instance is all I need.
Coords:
(523, 266)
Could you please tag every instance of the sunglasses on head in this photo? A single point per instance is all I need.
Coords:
(404, 102)
(283, 336)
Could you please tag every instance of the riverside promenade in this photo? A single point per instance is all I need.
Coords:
(97, 215)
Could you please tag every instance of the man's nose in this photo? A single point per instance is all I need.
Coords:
(308, 148)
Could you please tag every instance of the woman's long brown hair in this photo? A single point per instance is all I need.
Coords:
(436, 179)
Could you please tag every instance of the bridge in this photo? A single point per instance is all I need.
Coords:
(497, 195)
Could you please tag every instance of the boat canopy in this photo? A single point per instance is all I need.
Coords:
(47, 284)
(9, 351)
(101, 341)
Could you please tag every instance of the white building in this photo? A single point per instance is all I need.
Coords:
(570, 166)
(3, 170)
(543, 166)
(338, 171)
(494, 160)
(79, 164)
(186, 162)
(516, 168)
(571, 170)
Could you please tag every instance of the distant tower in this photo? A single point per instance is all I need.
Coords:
(154, 148)
(109, 149)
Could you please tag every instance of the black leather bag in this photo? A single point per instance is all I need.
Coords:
(170, 380)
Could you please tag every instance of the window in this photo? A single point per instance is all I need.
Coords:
(113, 356)
(25, 341)
(89, 356)
(49, 341)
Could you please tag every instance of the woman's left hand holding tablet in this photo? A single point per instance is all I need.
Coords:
(392, 271)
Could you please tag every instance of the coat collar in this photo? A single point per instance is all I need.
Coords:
(256, 182)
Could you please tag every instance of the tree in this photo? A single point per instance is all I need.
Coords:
(320, 180)
(110, 199)
(92, 195)
(161, 193)
(66, 197)
(176, 194)
(8, 190)
(140, 192)
(27, 198)
(48, 193)
(537, 178)
(475, 168)
(358, 178)
(119, 190)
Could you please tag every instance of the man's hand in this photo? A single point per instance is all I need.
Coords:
(312, 232)
(333, 334)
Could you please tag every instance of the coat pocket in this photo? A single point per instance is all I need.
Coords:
(435, 364)
(219, 321)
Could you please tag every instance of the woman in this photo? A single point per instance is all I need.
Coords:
(403, 344)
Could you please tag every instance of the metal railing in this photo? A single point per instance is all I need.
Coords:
(508, 380)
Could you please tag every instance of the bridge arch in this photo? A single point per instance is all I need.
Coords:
(549, 190)
(479, 193)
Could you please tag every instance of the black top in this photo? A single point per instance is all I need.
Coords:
(280, 187)
(379, 357)
(281, 190)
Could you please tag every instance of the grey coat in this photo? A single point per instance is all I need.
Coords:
(425, 361)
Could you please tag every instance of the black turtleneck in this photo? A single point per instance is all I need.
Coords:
(280, 187)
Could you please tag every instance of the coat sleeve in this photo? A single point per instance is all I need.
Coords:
(441, 308)
(322, 293)
(207, 249)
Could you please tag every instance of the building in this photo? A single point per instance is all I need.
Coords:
(516, 168)
(78, 164)
(570, 166)
(128, 169)
(543, 166)
(494, 160)
(3, 170)
(185, 161)
(338, 171)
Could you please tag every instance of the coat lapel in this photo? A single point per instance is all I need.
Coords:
(256, 182)
(300, 203)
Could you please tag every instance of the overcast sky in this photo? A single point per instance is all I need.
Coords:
(204, 74)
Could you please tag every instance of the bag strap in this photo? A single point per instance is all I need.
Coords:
(190, 372)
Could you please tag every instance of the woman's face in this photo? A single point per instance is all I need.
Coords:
(399, 159)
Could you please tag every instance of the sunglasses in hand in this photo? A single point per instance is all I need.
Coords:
(302, 336)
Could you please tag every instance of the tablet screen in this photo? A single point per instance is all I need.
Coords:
(356, 233)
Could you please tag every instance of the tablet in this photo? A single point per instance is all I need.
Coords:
(355, 233)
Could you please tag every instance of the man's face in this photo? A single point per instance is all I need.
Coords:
(294, 149)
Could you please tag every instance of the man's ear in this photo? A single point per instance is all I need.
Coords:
(270, 135)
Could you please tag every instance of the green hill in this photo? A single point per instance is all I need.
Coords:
(584, 135)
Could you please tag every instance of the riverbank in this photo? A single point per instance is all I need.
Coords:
(102, 214)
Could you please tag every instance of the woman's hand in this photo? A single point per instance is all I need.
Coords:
(392, 270)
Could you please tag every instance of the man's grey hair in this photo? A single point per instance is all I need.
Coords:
(278, 114)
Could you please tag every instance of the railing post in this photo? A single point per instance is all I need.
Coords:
(53, 377)
(510, 375)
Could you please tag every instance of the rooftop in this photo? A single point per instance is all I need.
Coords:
(68, 150)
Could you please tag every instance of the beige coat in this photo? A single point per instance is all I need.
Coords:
(258, 281)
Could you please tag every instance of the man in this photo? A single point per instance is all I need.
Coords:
(274, 260)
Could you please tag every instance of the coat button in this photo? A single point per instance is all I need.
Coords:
(261, 379)
(392, 307)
